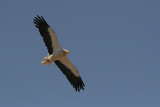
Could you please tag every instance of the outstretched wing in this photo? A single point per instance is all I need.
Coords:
(49, 37)
(71, 73)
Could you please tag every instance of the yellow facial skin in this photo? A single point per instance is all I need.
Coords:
(66, 51)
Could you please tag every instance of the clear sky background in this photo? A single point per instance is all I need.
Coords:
(115, 45)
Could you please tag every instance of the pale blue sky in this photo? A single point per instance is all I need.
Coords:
(115, 45)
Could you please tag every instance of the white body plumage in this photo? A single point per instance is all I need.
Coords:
(57, 55)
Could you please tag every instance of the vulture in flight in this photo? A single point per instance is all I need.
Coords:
(57, 54)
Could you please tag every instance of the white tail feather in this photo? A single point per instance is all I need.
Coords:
(47, 60)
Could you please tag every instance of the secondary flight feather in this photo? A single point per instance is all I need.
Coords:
(57, 54)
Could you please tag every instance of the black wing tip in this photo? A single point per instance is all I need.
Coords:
(39, 21)
(79, 85)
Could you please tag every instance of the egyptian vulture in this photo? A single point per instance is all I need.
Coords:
(57, 54)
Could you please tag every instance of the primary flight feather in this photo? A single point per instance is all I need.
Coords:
(57, 54)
